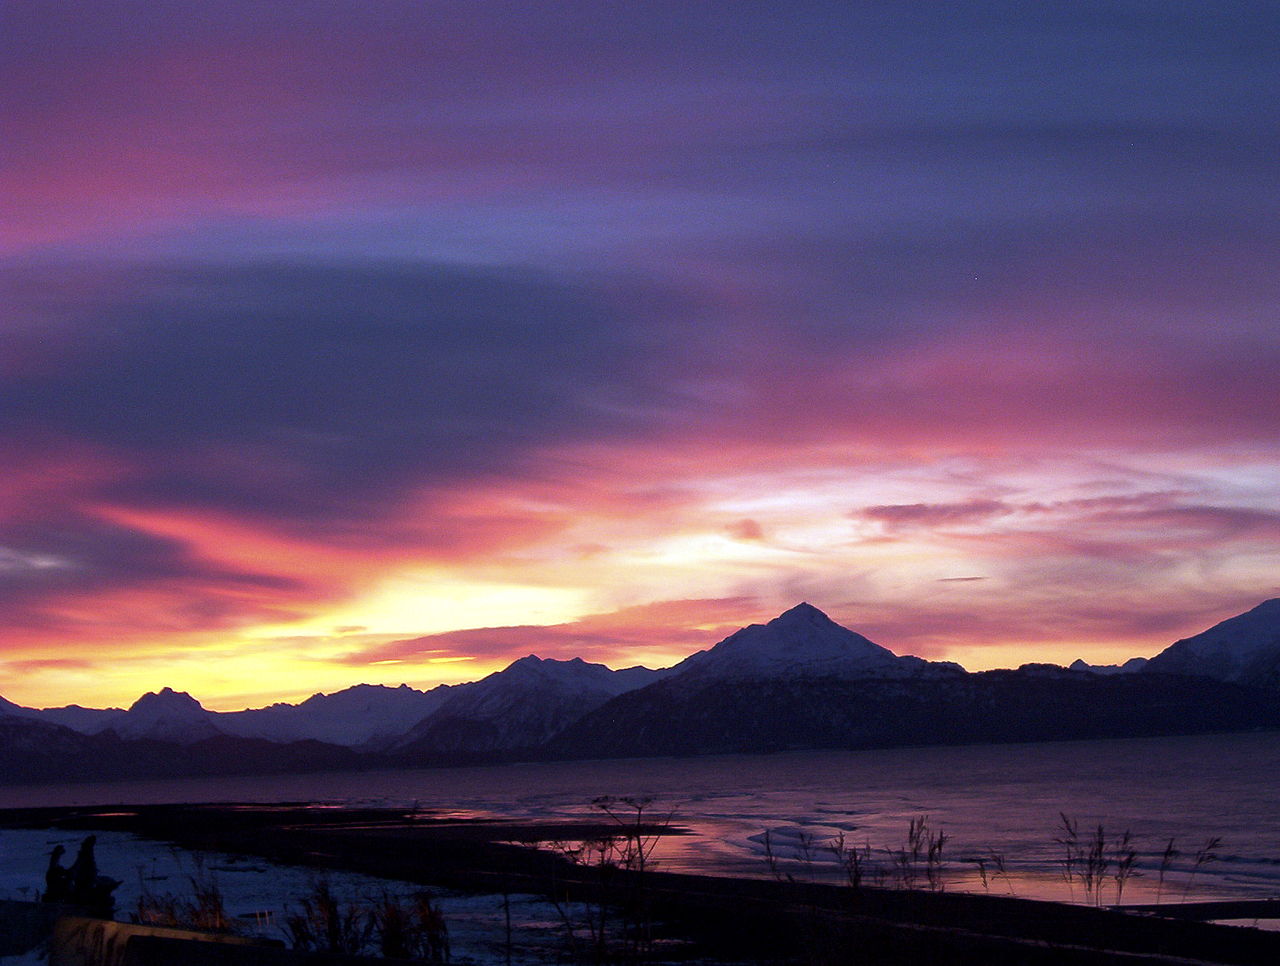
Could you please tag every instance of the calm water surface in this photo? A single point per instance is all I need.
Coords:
(991, 801)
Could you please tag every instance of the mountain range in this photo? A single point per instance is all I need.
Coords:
(799, 681)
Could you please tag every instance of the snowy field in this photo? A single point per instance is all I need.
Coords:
(261, 895)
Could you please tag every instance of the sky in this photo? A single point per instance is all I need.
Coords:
(389, 342)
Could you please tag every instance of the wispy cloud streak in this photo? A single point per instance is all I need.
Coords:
(308, 311)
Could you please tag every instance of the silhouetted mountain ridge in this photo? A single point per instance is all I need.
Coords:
(365, 716)
(1244, 649)
(689, 716)
(799, 681)
(39, 751)
(519, 708)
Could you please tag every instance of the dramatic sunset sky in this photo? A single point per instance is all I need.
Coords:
(368, 340)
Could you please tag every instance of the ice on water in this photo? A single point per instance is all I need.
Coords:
(260, 894)
(990, 800)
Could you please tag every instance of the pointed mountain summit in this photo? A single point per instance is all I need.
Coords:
(802, 640)
(166, 715)
(167, 701)
(1244, 649)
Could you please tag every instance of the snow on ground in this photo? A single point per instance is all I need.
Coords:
(37, 957)
(262, 895)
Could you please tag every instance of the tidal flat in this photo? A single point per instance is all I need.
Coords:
(536, 876)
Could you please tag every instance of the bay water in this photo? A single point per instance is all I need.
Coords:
(1000, 807)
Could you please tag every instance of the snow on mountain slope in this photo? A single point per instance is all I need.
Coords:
(522, 705)
(26, 742)
(166, 715)
(802, 641)
(359, 716)
(87, 721)
(539, 673)
(1244, 649)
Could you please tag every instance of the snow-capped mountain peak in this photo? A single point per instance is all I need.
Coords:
(166, 715)
(167, 701)
(1244, 649)
(802, 640)
(531, 665)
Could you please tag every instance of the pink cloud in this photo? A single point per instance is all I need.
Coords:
(935, 514)
(746, 529)
(678, 627)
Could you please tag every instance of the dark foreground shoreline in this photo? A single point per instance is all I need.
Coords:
(707, 918)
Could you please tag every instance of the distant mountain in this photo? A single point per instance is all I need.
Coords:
(38, 751)
(367, 716)
(1243, 650)
(7, 707)
(518, 708)
(85, 720)
(803, 641)
(798, 681)
(364, 716)
(803, 681)
(1131, 666)
(165, 715)
(27, 744)
(692, 715)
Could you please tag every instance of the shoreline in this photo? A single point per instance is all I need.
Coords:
(709, 917)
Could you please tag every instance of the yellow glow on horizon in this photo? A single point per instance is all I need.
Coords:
(217, 677)
(631, 541)
(417, 603)
(990, 657)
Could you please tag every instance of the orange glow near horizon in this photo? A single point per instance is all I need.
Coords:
(936, 579)
(508, 344)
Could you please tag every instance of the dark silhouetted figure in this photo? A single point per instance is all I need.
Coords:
(84, 871)
(57, 880)
(81, 883)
